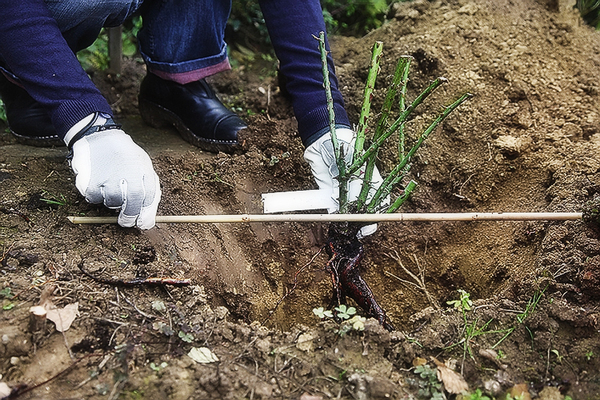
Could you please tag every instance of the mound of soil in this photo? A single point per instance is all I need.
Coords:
(527, 141)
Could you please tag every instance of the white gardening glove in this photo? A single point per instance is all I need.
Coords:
(111, 169)
(321, 158)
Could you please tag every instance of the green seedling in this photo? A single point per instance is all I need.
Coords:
(186, 337)
(159, 305)
(478, 395)
(344, 312)
(350, 321)
(159, 367)
(53, 200)
(7, 294)
(470, 329)
(559, 358)
(218, 179)
(589, 355)
(463, 304)
(521, 317)
(322, 313)
(429, 385)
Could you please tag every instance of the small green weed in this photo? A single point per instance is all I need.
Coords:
(344, 312)
(322, 313)
(349, 321)
(470, 329)
(477, 395)
(559, 358)
(464, 303)
(529, 309)
(429, 385)
(8, 295)
(53, 200)
(186, 337)
(158, 368)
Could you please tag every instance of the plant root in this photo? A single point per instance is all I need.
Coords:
(136, 281)
(418, 280)
(346, 252)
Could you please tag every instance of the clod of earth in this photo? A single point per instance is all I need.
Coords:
(591, 211)
(346, 251)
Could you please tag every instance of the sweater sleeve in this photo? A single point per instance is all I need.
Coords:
(34, 51)
(291, 25)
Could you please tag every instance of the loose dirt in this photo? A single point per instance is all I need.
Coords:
(527, 141)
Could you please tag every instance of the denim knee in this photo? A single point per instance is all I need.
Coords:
(80, 21)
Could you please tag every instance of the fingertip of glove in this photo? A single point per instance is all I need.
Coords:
(366, 231)
(127, 221)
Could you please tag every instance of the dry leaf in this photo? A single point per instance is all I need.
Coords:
(4, 390)
(453, 382)
(306, 396)
(202, 355)
(521, 390)
(418, 361)
(63, 317)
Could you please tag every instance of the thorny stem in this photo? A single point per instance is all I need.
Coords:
(387, 182)
(400, 200)
(405, 60)
(401, 119)
(339, 157)
(382, 132)
(398, 80)
(362, 125)
(366, 106)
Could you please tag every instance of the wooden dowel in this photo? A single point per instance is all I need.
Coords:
(393, 217)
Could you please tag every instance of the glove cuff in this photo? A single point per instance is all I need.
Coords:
(97, 122)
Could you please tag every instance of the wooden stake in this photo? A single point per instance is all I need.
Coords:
(393, 217)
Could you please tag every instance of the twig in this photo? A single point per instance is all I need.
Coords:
(24, 388)
(16, 212)
(143, 314)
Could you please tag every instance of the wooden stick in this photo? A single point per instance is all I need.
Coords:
(393, 217)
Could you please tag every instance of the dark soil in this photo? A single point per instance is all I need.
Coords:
(527, 141)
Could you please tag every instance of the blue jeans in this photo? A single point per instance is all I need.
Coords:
(181, 40)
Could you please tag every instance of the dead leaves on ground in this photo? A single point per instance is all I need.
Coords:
(62, 317)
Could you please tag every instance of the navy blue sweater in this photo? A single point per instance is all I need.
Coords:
(36, 53)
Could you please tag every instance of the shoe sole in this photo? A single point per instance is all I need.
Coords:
(42, 141)
(159, 117)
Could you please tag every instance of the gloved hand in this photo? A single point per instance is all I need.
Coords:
(111, 169)
(321, 158)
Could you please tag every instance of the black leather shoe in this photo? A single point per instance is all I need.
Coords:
(194, 110)
(28, 121)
